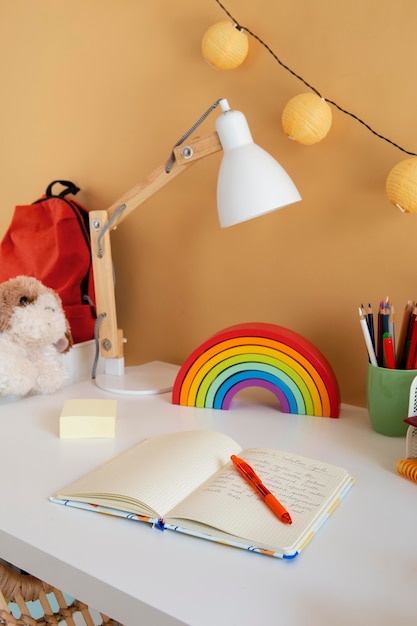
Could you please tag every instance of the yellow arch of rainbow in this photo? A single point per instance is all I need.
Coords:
(258, 354)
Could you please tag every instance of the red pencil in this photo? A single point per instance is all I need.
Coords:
(413, 344)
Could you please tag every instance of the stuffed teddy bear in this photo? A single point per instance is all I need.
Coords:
(33, 331)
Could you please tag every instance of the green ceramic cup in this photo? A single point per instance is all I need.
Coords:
(388, 393)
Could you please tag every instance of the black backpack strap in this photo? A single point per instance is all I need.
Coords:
(79, 211)
(69, 188)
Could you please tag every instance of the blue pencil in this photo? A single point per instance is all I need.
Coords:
(379, 353)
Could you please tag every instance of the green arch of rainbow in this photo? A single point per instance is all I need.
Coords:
(263, 355)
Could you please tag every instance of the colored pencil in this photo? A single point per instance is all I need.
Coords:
(370, 320)
(367, 337)
(412, 342)
(404, 332)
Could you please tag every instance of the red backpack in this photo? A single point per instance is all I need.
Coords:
(50, 240)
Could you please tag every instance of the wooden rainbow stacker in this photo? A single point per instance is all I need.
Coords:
(259, 355)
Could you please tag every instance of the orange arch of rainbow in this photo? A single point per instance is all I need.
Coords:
(259, 355)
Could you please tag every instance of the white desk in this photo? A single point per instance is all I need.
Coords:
(361, 568)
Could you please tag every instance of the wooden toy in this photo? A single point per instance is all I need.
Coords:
(263, 355)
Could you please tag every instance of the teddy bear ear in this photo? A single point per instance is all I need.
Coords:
(69, 337)
(4, 310)
(3, 322)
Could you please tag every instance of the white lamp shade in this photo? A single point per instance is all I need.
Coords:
(251, 182)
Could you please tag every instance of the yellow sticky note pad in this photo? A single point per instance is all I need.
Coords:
(84, 418)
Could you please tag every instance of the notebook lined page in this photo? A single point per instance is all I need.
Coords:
(228, 503)
(159, 471)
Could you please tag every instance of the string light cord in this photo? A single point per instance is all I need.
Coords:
(300, 78)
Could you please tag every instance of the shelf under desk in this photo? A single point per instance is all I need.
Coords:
(360, 568)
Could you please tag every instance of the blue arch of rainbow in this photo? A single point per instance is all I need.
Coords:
(262, 355)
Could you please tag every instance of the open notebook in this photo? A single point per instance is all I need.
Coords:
(186, 482)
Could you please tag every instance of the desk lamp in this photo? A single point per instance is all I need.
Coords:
(250, 183)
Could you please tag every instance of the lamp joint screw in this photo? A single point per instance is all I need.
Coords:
(106, 344)
(96, 224)
(187, 152)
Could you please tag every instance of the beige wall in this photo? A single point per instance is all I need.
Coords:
(98, 91)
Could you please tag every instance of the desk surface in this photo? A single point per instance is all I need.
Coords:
(361, 568)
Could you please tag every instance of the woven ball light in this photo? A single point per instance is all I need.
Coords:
(307, 118)
(225, 46)
(401, 185)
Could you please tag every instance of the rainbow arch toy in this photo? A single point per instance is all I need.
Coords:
(259, 355)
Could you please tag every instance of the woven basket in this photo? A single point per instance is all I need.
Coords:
(28, 601)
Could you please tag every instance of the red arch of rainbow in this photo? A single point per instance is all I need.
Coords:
(263, 355)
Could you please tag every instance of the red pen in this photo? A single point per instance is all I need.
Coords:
(388, 352)
(253, 479)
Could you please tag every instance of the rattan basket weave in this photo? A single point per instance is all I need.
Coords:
(20, 593)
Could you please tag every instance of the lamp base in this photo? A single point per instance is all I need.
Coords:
(149, 378)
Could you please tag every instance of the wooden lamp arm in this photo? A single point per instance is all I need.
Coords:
(103, 221)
